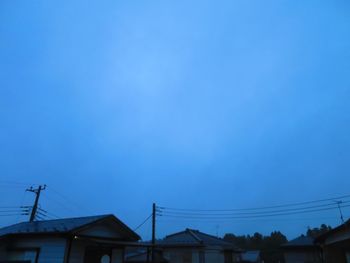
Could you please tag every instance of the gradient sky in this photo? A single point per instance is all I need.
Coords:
(190, 104)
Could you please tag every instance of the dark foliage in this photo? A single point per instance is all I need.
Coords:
(314, 232)
(268, 245)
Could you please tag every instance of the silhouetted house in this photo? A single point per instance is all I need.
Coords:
(75, 240)
(335, 244)
(193, 246)
(302, 250)
(250, 256)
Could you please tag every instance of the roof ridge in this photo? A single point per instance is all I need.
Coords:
(174, 234)
(67, 218)
(70, 218)
(58, 219)
(202, 233)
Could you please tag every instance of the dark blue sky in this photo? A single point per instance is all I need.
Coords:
(190, 104)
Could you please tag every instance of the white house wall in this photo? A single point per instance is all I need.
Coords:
(300, 257)
(101, 230)
(117, 256)
(176, 255)
(214, 256)
(2, 252)
(77, 252)
(210, 256)
(51, 249)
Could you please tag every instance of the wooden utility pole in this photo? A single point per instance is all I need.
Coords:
(154, 210)
(36, 202)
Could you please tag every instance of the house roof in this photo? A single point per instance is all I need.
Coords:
(62, 226)
(191, 237)
(323, 237)
(302, 241)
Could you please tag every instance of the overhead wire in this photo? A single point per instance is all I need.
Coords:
(59, 203)
(289, 209)
(257, 208)
(47, 213)
(73, 203)
(334, 205)
(144, 222)
(11, 214)
(252, 216)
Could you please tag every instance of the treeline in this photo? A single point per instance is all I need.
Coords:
(314, 232)
(269, 246)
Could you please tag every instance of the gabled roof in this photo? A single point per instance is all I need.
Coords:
(62, 226)
(302, 241)
(191, 237)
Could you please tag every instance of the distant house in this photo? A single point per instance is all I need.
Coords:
(302, 250)
(336, 244)
(193, 246)
(250, 256)
(92, 239)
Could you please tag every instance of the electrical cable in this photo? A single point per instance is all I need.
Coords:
(143, 222)
(253, 216)
(258, 208)
(251, 213)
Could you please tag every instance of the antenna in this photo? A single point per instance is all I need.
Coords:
(341, 213)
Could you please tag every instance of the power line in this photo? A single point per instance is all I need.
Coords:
(60, 203)
(252, 216)
(10, 211)
(258, 208)
(12, 182)
(250, 213)
(13, 214)
(144, 222)
(48, 214)
(9, 207)
(62, 196)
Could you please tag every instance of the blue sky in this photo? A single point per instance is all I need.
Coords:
(190, 104)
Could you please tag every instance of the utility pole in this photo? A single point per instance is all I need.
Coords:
(154, 210)
(36, 202)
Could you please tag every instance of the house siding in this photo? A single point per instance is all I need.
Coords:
(301, 257)
(51, 249)
(117, 256)
(2, 252)
(214, 256)
(77, 252)
(101, 230)
(210, 255)
(180, 255)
